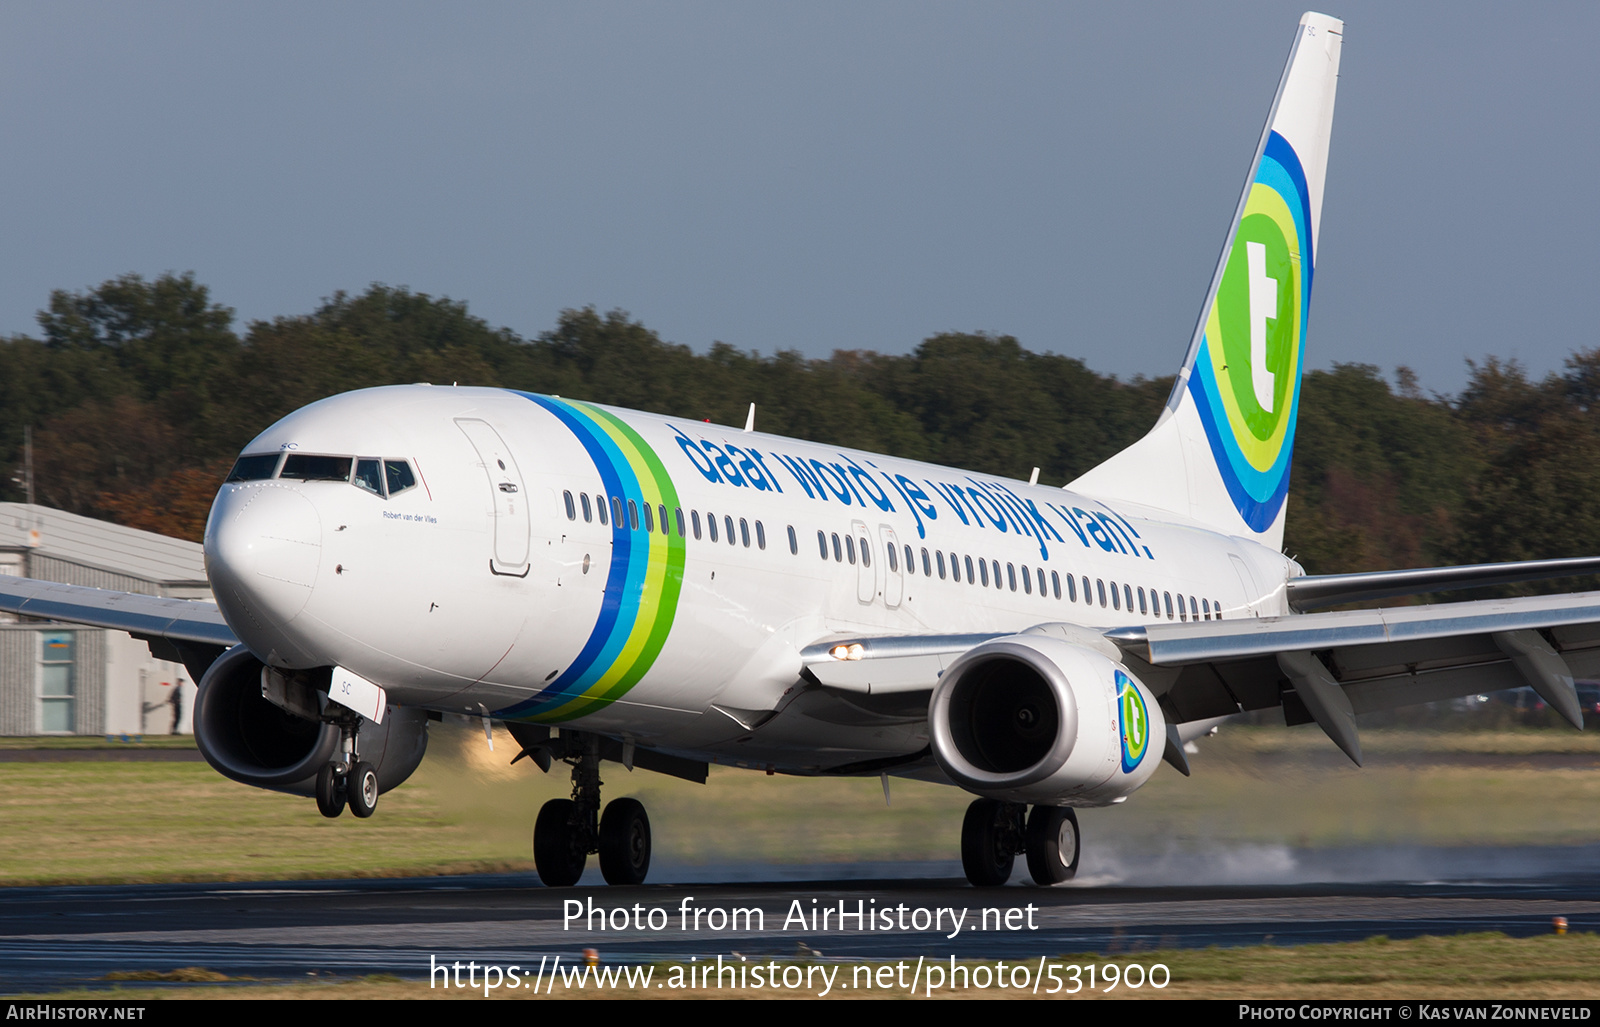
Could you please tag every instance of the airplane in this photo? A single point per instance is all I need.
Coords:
(668, 593)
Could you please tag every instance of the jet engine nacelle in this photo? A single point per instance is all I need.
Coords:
(255, 742)
(1034, 719)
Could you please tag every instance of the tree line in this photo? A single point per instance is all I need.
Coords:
(140, 393)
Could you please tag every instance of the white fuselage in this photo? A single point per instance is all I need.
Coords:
(475, 591)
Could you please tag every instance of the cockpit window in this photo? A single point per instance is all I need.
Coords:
(305, 467)
(369, 477)
(254, 468)
(399, 476)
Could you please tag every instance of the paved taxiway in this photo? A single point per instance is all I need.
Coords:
(55, 937)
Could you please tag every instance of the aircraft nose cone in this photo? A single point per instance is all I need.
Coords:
(263, 548)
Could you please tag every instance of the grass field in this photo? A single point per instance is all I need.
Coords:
(466, 810)
(1489, 966)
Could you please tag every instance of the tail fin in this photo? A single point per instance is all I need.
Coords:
(1221, 450)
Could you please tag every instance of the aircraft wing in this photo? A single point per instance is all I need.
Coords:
(1320, 667)
(189, 631)
(1327, 667)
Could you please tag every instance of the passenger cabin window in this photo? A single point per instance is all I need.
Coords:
(744, 532)
(601, 506)
(633, 515)
(694, 521)
(254, 468)
(583, 501)
(761, 536)
(649, 520)
(850, 547)
(794, 542)
(727, 522)
(566, 497)
(822, 544)
(711, 526)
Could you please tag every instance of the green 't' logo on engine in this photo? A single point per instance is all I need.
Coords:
(1134, 720)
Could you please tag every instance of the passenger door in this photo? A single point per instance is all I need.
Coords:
(510, 497)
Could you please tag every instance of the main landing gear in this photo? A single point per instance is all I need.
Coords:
(346, 779)
(994, 833)
(568, 830)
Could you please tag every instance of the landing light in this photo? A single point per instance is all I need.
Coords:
(853, 651)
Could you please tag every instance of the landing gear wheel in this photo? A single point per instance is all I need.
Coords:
(363, 785)
(624, 842)
(987, 842)
(1052, 844)
(557, 853)
(330, 791)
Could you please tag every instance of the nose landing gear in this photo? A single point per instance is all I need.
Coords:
(568, 830)
(347, 780)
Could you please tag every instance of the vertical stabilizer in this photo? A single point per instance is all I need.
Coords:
(1221, 451)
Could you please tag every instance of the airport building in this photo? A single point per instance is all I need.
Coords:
(65, 679)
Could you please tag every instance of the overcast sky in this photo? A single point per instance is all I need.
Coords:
(811, 175)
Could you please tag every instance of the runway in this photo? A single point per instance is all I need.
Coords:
(59, 937)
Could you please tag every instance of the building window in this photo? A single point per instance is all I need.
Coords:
(57, 714)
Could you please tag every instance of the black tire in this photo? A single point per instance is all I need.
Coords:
(985, 855)
(363, 787)
(1052, 845)
(330, 791)
(624, 842)
(556, 853)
